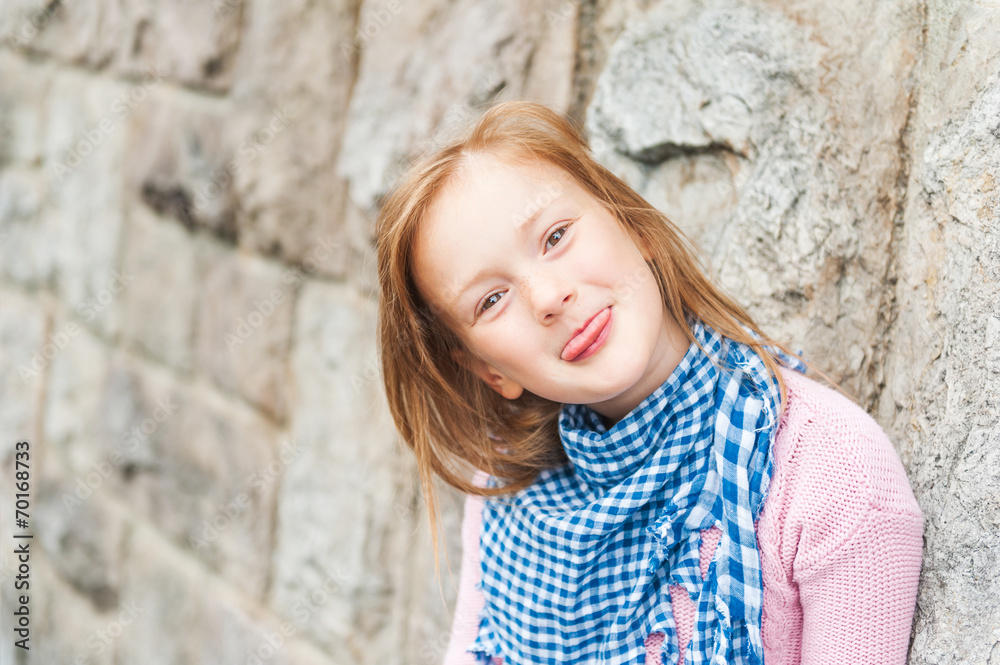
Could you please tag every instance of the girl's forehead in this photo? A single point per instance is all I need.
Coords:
(504, 185)
(507, 192)
(484, 210)
(512, 166)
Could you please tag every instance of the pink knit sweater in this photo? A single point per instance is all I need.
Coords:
(840, 539)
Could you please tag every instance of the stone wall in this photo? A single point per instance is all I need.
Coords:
(187, 294)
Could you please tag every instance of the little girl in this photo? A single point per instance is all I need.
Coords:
(651, 479)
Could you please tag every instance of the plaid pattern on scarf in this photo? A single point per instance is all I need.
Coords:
(577, 567)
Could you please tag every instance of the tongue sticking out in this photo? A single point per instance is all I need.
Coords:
(588, 336)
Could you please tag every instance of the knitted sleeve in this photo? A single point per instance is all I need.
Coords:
(465, 623)
(857, 603)
(850, 534)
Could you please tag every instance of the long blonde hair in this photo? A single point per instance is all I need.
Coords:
(452, 420)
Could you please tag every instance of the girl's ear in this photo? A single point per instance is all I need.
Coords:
(491, 376)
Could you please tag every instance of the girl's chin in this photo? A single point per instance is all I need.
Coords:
(604, 382)
(604, 394)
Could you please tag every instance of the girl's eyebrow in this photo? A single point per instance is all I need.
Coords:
(459, 293)
(523, 224)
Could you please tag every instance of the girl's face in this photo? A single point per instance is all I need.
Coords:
(545, 288)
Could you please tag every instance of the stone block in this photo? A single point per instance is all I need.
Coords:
(84, 142)
(698, 192)
(726, 101)
(159, 304)
(250, 175)
(377, 546)
(73, 398)
(170, 593)
(71, 33)
(26, 231)
(284, 640)
(205, 471)
(428, 68)
(22, 96)
(180, 163)
(291, 86)
(176, 598)
(194, 43)
(26, 351)
(290, 199)
(244, 328)
(349, 459)
(21, 24)
(80, 529)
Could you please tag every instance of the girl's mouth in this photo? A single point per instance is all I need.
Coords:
(589, 340)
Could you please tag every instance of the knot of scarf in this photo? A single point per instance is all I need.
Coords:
(577, 567)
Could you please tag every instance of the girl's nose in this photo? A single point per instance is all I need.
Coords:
(549, 295)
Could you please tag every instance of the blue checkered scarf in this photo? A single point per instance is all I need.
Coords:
(577, 567)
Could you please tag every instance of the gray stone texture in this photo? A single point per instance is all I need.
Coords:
(192, 42)
(177, 162)
(24, 334)
(426, 68)
(342, 437)
(160, 303)
(942, 356)
(290, 94)
(244, 328)
(763, 135)
(187, 287)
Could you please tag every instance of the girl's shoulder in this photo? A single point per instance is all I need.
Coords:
(811, 398)
(834, 466)
(823, 424)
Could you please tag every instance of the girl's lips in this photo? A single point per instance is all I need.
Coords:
(588, 341)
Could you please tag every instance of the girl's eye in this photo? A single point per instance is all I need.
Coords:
(555, 237)
(491, 300)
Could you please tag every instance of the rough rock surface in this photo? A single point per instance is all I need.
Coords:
(744, 124)
(187, 292)
(942, 359)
